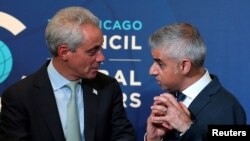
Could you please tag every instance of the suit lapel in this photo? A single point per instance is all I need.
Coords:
(47, 104)
(204, 97)
(199, 102)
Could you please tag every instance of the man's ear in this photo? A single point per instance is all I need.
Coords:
(185, 66)
(63, 51)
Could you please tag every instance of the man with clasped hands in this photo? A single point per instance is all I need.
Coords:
(179, 54)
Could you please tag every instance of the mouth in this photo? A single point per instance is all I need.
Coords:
(95, 67)
(158, 82)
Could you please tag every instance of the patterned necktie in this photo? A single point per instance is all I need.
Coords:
(73, 127)
(180, 96)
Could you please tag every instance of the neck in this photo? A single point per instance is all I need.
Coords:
(61, 67)
(192, 77)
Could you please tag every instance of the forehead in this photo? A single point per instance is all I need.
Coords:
(161, 55)
(92, 35)
(91, 31)
(158, 53)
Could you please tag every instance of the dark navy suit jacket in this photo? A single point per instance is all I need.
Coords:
(29, 111)
(213, 106)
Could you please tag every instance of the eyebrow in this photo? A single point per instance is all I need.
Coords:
(95, 48)
(157, 60)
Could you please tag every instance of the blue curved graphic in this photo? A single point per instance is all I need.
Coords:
(15, 28)
(6, 61)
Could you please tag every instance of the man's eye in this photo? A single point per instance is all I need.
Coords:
(92, 52)
(160, 64)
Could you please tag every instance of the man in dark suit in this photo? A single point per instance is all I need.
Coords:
(179, 54)
(35, 108)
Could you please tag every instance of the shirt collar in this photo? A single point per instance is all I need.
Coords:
(193, 90)
(56, 79)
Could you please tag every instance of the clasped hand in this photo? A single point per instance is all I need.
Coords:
(167, 114)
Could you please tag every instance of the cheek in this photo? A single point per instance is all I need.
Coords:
(168, 75)
(88, 62)
(84, 59)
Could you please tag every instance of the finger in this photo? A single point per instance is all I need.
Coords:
(167, 125)
(159, 119)
(168, 95)
(184, 108)
(159, 107)
(160, 102)
(167, 100)
(156, 102)
(159, 110)
(171, 98)
(150, 119)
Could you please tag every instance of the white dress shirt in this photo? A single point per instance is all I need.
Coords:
(192, 91)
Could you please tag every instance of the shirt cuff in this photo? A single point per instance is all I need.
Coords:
(145, 137)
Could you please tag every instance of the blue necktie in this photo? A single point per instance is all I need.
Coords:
(180, 96)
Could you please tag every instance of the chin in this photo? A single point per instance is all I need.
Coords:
(164, 88)
(92, 76)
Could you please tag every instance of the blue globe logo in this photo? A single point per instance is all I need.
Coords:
(6, 61)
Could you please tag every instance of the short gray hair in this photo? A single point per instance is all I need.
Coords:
(64, 28)
(180, 40)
